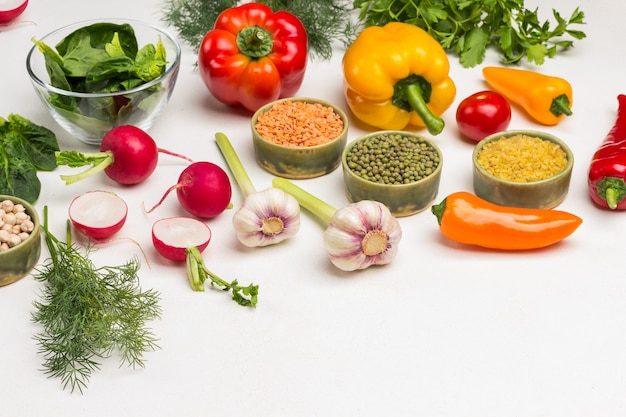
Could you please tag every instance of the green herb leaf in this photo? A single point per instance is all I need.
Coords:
(470, 27)
(88, 312)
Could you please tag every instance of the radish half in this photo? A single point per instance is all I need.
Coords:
(173, 235)
(98, 214)
(10, 9)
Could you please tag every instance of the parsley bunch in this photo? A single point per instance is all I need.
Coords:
(468, 27)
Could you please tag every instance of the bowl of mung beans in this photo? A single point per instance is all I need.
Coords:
(399, 169)
(299, 138)
(522, 168)
(20, 239)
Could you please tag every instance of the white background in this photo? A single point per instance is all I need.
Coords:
(444, 330)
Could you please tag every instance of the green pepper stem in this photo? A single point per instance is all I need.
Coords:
(433, 123)
(612, 190)
(560, 105)
(317, 207)
(438, 209)
(235, 165)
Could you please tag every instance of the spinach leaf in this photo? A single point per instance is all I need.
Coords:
(25, 148)
(103, 58)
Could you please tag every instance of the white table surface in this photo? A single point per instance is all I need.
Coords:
(442, 331)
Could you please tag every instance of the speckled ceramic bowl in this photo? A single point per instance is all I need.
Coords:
(401, 199)
(546, 193)
(18, 261)
(295, 161)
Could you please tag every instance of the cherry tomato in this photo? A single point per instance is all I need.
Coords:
(483, 114)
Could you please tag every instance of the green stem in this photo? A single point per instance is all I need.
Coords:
(319, 208)
(560, 105)
(438, 209)
(235, 165)
(434, 124)
(99, 161)
(612, 190)
(198, 273)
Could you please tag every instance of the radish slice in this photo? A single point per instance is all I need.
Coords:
(10, 9)
(98, 214)
(173, 235)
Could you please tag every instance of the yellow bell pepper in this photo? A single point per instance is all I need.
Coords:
(397, 75)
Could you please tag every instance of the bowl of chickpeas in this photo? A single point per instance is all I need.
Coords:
(20, 239)
(399, 169)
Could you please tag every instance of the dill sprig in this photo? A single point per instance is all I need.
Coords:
(326, 21)
(87, 313)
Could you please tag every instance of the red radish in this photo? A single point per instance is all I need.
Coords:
(98, 214)
(128, 155)
(10, 9)
(173, 235)
(203, 189)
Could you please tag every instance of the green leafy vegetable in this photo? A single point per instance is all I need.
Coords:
(326, 21)
(469, 27)
(88, 312)
(25, 148)
(102, 58)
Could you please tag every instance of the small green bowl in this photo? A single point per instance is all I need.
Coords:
(544, 194)
(299, 162)
(401, 199)
(18, 261)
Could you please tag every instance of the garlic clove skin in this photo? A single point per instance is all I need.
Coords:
(267, 217)
(362, 234)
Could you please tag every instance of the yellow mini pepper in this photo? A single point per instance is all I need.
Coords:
(397, 75)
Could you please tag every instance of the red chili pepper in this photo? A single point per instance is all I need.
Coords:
(607, 171)
(253, 56)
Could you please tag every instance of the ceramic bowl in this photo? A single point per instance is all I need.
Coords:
(402, 199)
(543, 193)
(17, 261)
(90, 116)
(299, 161)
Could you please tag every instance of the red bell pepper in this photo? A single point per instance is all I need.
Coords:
(607, 171)
(253, 56)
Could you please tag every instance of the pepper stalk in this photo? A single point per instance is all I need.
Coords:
(358, 235)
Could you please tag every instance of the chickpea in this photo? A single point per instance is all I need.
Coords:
(15, 224)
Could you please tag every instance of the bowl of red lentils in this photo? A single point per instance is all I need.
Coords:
(399, 169)
(299, 138)
(20, 239)
(522, 168)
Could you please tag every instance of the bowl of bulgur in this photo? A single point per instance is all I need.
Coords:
(522, 168)
(20, 239)
(399, 169)
(299, 138)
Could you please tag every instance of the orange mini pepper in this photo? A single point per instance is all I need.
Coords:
(547, 99)
(468, 219)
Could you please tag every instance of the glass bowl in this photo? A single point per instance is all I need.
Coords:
(88, 116)
(299, 161)
(545, 193)
(421, 185)
(17, 261)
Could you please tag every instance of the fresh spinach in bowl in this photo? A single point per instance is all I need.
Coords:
(102, 58)
(25, 148)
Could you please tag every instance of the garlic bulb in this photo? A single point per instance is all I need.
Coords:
(362, 234)
(358, 236)
(267, 217)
